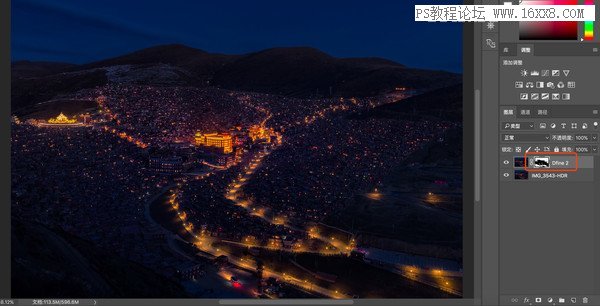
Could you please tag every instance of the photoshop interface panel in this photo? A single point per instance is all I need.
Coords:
(300, 153)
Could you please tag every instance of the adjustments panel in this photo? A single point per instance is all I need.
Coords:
(549, 184)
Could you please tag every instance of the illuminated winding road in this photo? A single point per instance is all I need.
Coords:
(332, 246)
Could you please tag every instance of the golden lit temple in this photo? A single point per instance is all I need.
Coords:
(61, 120)
(219, 140)
(259, 132)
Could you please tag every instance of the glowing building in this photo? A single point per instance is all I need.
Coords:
(61, 120)
(219, 140)
(259, 132)
(86, 118)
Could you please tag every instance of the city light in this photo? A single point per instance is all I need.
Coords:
(268, 186)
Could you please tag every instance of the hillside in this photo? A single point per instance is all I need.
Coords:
(297, 71)
(199, 63)
(54, 264)
(304, 71)
(29, 69)
(443, 103)
(26, 92)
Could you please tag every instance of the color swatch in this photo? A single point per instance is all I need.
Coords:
(549, 30)
(588, 28)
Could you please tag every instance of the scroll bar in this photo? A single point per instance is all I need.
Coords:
(477, 142)
(285, 302)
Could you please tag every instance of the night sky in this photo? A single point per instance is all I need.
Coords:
(80, 31)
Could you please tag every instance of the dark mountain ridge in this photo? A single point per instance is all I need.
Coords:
(291, 71)
(200, 63)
